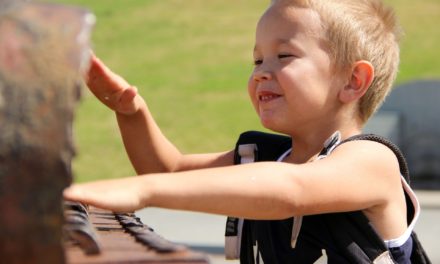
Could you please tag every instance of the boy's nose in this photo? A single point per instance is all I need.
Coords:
(262, 75)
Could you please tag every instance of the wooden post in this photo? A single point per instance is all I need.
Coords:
(41, 53)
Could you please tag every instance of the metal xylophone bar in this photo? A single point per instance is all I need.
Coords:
(100, 236)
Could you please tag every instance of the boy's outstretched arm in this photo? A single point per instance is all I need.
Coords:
(357, 176)
(148, 149)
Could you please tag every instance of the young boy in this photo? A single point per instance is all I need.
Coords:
(321, 66)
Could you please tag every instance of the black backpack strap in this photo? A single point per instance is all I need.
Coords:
(268, 146)
(251, 146)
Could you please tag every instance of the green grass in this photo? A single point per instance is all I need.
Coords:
(191, 60)
(420, 59)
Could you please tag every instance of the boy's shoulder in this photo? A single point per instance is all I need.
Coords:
(390, 145)
(269, 146)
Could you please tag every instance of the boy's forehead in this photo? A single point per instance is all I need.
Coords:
(297, 18)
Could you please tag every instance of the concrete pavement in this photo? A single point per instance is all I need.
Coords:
(428, 226)
(206, 232)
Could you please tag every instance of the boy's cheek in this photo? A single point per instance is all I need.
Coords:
(252, 94)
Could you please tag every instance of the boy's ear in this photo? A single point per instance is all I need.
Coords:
(362, 76)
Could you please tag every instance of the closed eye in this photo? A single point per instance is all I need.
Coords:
(282, 56)
(258, 62)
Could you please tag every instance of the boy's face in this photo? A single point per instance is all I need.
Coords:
(292, 86)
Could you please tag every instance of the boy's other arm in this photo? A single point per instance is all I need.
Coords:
(148, 149)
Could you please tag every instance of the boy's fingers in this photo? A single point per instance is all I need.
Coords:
(73, 193)
(84, 193)
(103, 195)
(110, 88)
(128, 95)
(101, 79)
(95, 70)
(123, 101)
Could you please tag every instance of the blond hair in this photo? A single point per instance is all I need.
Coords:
(360, 30)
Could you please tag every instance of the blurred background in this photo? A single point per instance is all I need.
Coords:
(190, 60)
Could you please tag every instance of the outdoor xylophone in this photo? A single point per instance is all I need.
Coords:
(94, 235)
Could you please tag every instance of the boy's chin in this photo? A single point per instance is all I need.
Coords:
(266, 123)
(271, 125)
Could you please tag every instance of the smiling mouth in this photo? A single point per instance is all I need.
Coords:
(268, 97)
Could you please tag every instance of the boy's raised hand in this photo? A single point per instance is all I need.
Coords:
(111, 89)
